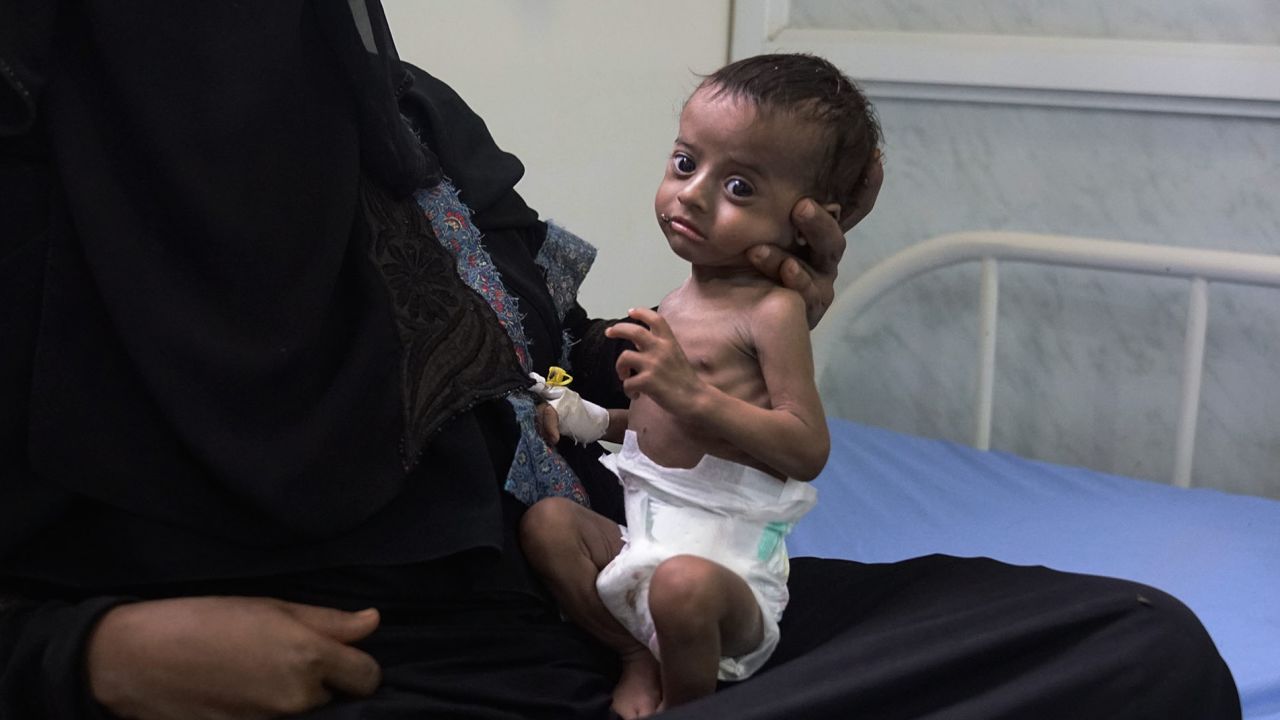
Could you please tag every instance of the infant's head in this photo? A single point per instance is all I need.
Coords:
(808, 90)
(755, 137)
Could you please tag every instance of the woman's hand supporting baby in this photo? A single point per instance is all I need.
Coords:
(815, 280)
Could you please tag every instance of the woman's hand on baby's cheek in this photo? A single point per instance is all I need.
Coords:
(210, 658)
(657, 366)
(815, 278)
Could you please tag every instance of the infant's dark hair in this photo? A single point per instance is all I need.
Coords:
(811, 89)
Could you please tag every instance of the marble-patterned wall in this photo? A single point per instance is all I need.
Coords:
(1220, 21)
(1088, 363)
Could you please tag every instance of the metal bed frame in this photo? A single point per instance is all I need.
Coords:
(990, 248)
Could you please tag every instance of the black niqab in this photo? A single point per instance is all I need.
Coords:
(215, 348)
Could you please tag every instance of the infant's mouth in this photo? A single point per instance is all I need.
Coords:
(686, 228)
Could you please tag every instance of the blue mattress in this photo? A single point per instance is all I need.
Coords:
(885, 496)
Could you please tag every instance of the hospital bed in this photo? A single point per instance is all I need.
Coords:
(887, 495)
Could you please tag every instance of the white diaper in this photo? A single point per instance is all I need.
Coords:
(720, 510)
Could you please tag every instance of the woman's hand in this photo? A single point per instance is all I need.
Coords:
(657, 367)
(815, 280)
(203, 658)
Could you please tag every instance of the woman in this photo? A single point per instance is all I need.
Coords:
(246, 395)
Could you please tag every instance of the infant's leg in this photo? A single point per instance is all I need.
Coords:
(701, 612)
(568, 545)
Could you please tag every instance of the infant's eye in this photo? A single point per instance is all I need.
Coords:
(740, 188)
(683, 163)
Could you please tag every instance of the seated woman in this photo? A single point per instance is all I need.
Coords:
(247, 395)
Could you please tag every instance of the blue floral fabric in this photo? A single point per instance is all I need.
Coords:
(565, 259)
(537, 470)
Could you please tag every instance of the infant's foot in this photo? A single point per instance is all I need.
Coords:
(639, 689)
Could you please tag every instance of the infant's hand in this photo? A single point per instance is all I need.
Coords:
(657, 367)
(548, 421)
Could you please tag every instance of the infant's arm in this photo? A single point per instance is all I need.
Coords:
(791, 435)
(617, 425)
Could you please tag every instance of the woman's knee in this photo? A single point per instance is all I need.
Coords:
(1183, 673)
(1181, 637)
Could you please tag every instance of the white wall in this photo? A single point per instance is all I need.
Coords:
(587, 94)
(1087, 363)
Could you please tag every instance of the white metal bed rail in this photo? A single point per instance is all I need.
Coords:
(1200, 266)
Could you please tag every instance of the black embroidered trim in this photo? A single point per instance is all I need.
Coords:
(455, 353)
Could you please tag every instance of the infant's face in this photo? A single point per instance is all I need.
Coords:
(732, 180)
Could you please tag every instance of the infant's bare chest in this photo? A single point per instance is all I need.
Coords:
(718, 344)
